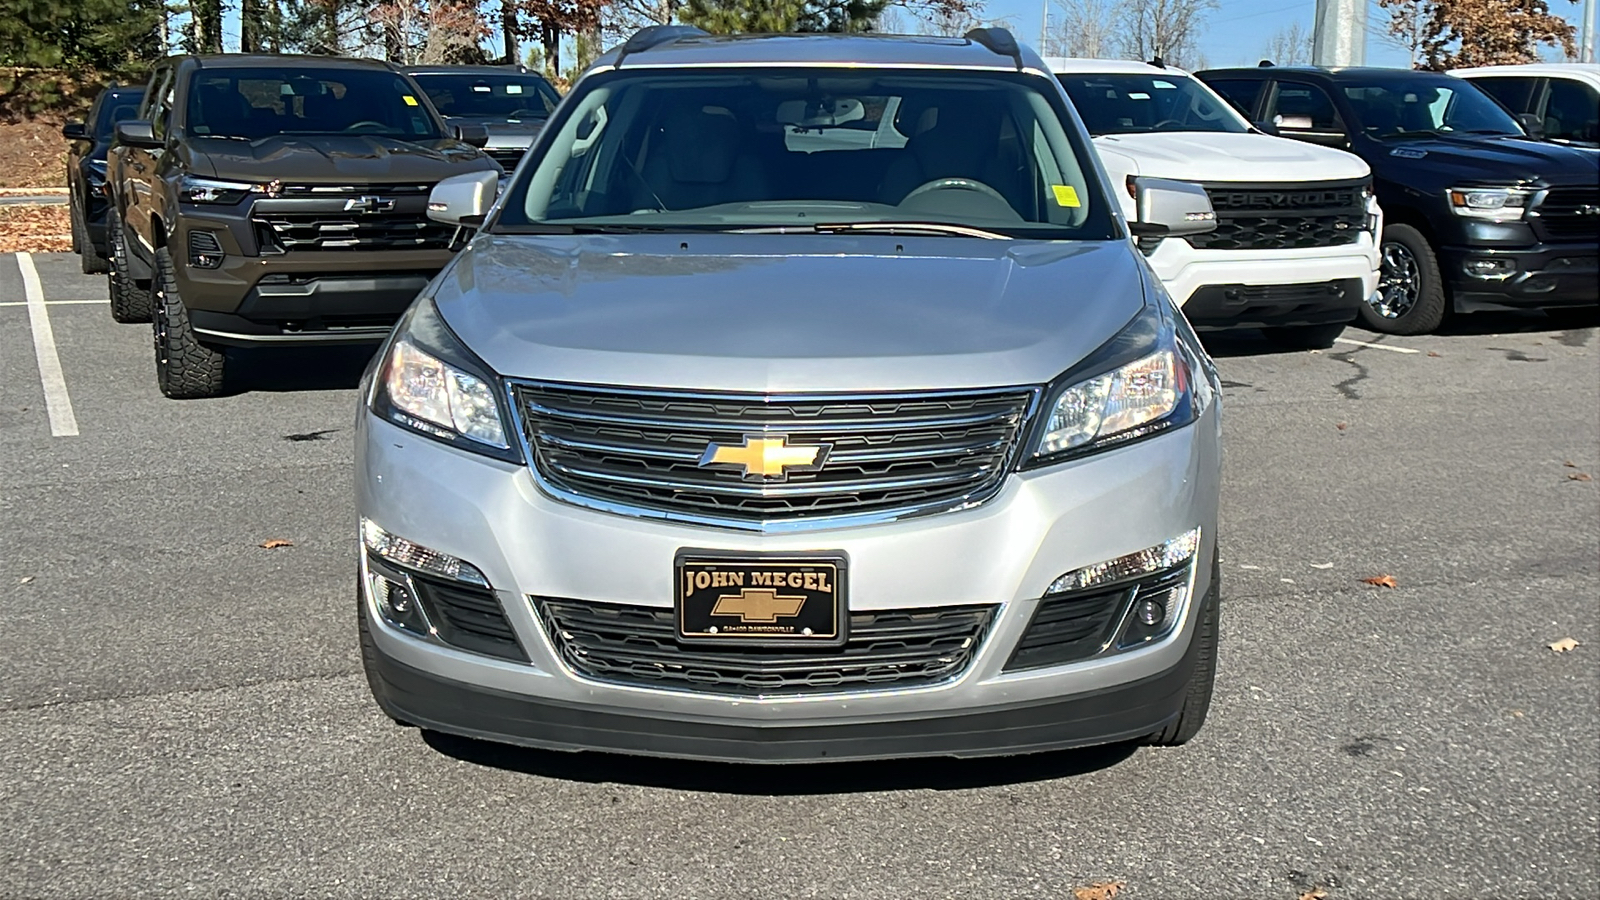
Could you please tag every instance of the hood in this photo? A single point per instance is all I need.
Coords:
(1221, 156)
(336, 158)
(1497, 159)
(778, 313)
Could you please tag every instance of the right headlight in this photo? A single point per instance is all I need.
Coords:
(1143, 381)
(430, 383)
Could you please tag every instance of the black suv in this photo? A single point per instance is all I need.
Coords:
(510, 102)
(1478, 215)
(271, 200)
(87, 194)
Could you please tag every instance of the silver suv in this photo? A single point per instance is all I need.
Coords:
(801, 398)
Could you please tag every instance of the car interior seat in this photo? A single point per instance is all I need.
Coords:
(700, 157)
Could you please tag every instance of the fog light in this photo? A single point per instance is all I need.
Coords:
(397, 604)
(412, 555)
(1491, 269)
(1151, 612)
(205, 251)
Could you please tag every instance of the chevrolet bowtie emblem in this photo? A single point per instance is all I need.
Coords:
(368, 203)
(762, 457)
(758, 605)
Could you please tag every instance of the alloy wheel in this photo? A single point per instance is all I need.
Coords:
(1400, 283)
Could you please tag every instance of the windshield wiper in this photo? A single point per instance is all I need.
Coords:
(908, 228)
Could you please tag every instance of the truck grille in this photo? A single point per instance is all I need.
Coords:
(507, 157)
(1284, 216)
(1565, 213)
(885, 454)
(290, 231)
(637, 645)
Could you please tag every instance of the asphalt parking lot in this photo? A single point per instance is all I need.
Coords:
(182, 710)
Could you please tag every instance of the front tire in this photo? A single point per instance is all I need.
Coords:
(76, 219)
(1410, 297)
(1197, 697)
(1304, 337)
(185, 368)
(129, 302)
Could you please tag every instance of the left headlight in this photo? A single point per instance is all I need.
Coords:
(1126, 399)
(1500, 204)
(430, 383)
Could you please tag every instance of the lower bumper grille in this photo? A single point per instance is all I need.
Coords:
(637, 645)
(469, 618)
(1071, 627)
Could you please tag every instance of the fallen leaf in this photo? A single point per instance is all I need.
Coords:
(275, 543)
(1433, 353)
(1569, 464)
(26, 579)
(1342, 426)
(1579, 476)
(1380, 581)
(1322, 565)
(1100, 890)
(1314, 894)
(1563, 645)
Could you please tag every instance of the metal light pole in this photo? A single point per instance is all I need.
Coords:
(1339, 37)
(1586, 49)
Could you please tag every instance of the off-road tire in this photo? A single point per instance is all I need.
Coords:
(1304, 337)
(185, 368)
(1428, 310)
(1197, 697)
(369, 660)
(129, 302)
(89, 259)
(78, 243)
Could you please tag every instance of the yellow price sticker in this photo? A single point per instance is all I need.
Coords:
(1066, 195)
(410, 100)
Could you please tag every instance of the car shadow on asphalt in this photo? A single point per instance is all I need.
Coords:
(1520, 322)
(297, 369)
(932, 773)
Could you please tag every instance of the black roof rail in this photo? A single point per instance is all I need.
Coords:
(1158, 62)
(998, 40)
(655, 36)
(1265, 64)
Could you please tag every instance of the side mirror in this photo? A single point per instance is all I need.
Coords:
(476, 135)
(463, 200)
(75, 131)
(1532, 123)
(1267, 127)
(137, 133)
(1171, 209)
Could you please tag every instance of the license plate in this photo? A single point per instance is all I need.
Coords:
(765, 599)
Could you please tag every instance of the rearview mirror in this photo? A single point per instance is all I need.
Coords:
(463, 200)
(820, 114)
(476, 135)
(1171, 208)
(74, 131)
(1301, 128)
(137, 133)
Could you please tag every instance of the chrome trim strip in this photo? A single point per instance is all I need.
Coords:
(787, 427)
(774, 489)
(773, 526)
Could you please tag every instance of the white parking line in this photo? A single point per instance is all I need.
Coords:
(56, 401)
(54, 302)
(1376, 346)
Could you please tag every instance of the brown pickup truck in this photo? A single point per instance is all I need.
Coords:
(276, 200)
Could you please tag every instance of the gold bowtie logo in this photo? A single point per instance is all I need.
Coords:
(758, 605)
(766, 457)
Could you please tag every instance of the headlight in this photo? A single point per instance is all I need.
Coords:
(432, 384)
(210, 190)
(95, 170)
(1127, 399)
(1500, 204)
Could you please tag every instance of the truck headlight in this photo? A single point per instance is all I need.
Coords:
(430, 383)
(192, 189)
(1124, 399)
(1498, 204)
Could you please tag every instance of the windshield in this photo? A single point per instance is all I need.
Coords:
(250, 104)
(490, 95)
(1135, 103)
(120, 107)
(1410, 105)
(812, 149)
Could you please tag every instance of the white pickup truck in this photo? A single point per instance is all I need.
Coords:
(1294, 252)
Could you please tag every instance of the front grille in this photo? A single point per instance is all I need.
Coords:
(637, 645)
(404, 189)
(507, 157)
(468, 617)
(889, 454)
(1284, 216)
(1569, 213)
(286, 232)
(1074, 626)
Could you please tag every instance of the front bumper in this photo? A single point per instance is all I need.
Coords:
(1191, 275)
(1540, 276)
(1004, 552)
